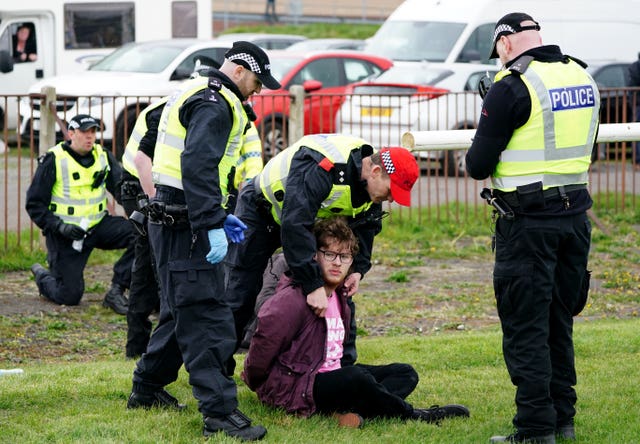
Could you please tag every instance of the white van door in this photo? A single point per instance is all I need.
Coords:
(29, 43)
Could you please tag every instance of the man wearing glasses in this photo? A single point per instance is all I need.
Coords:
(320, 176)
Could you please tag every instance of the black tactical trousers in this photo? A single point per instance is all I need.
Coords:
(195, 326)
(64, 282)
(538, 282)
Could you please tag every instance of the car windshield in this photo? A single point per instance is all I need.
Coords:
(139, 58)
(415, 41)
(413, 75)
(282, 65)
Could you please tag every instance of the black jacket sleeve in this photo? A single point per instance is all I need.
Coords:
(366, 227)
(208, 124)
(39, 194)
(114, 178)
(506, 107)
(308, 185)
(148, 141)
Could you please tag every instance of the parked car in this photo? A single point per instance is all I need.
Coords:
(144, 70)
(324, 75)
(325, 44)
(410, 97)
(265, 41)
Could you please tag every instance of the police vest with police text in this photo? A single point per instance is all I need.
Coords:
(336, 148)
(73, 197)
(554, 145)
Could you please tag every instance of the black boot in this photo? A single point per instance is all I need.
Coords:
(236, 424)
(39, 272)
(436, 413)
(519, 438)
(159, 399)
(115, 300)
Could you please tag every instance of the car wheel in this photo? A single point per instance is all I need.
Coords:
(456, 164)
(124, 126)
(273, 138)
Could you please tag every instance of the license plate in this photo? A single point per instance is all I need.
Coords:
(376, 112)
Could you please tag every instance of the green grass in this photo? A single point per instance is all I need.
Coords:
(85, 402)
(313, 30)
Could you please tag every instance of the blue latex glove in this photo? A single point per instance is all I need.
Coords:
(234, 228)
(218, 243)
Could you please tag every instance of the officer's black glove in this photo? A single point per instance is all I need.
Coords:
(70, 231)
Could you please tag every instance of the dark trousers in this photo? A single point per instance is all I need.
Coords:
(143, 292)
(369, 390)
(64, 282)
(195, 325)
(538, 282)
(246, 261)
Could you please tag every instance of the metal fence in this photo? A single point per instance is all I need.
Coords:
(442, 191)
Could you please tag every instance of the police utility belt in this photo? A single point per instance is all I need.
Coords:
(533, 195)
(175, 215)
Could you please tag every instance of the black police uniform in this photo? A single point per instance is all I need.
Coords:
(540, 276)
(143, 293)
(308, 185)
(196, 324)
(64, 282)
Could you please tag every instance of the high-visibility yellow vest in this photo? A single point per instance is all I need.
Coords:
(138, 132)
(166, 168)
(336, 148)
(554, 145)
(250, 161)
(72, 197)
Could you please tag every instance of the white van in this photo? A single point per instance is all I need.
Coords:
(461, 30)
(67, 36)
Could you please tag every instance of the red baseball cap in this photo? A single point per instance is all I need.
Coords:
(403, 171)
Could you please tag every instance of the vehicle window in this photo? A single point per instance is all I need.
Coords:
(415, 41)
(478, 46)
(184, 19)
(613, 76)
(357, 70)
(282, 65)
(133, 58)
(212, 57)
(20, 41)
(98, 25)
(275, 44)
(328, 71)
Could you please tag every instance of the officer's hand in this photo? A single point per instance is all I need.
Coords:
(234, 228)
(318, 302)
(218, 243)
(70, 231)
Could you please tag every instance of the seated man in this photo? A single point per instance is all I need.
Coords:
(293, 349)
(67, 199)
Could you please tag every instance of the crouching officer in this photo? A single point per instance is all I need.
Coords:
(137, 188)
(67, 199)
(199, 136)
(534, 138)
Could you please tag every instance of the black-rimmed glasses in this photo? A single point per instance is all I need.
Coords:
(345, 258)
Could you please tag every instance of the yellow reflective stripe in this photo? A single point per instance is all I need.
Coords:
(542, 155)
(550, 180)
(92, 218)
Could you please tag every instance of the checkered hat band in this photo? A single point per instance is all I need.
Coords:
(248, 58)
(387, 162)
(503, 28)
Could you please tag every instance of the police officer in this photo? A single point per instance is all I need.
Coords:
(534, 138)
(67, 199)
(199, 135)
(137, 188)
(319, 176)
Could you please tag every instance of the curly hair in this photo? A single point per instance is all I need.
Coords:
(335, 229)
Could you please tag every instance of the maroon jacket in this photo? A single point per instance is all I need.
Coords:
(288, 348)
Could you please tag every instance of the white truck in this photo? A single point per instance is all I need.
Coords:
(461, 30)
(67, 36)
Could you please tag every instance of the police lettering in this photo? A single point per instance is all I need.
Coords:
(572, 97)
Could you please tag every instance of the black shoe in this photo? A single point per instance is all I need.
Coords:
(236, 424)
(518, 438)
(435, 413)
(160, 399)
(38, 270)
(115, 300)
(566, 432)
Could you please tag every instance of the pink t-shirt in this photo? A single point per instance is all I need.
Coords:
(335, 335)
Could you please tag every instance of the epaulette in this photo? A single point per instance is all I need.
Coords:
(521, 64)
(214, 86)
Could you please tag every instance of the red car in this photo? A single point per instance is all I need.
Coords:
(325, 74)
